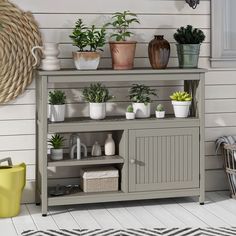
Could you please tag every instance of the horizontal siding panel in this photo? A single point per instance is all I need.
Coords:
(220, 119)
(220, 77)
(216, 180)
(210, 149)
(214, 162)
(220, 105)
(211, 134)
(28, 97)
(222, 91)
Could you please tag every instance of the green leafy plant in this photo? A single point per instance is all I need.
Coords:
(160, 107)
(189, 35)
(56, 141)
(96, 93)
(140, 93)
(130, 109)
(84, 37)
(57, 97)
(121, 22)
(181, 96)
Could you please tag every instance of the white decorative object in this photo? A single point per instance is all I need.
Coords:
(78, 157)
(78, 143)
(181, 108)
(130, 115)
(97, 111)
(109, 146)
(50, 53)
(86, 60)
(142, 110)
(56, 154)
(57, 113)
(160, 114)
(96, 150)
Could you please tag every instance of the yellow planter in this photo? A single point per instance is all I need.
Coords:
(12, 182)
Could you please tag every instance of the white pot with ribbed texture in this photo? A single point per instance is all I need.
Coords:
(181, 108)
(142, 110)
(57, 113)
(97, 111)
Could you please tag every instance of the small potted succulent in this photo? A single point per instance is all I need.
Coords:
(140, 95)
(122, 50)
(181, 102)
(56, 141)
(189, 40)
(97, 95)
(160, 113)
(89, 41)
(130, 115)
(57, 99)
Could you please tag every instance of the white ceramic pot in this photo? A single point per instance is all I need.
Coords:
(130, 115)
(160, 114)
(86, 60)
(181, 109)
(57, 113)
(97, 111)
(96, 150)
(56, 154)
(109, 146)
(141, 110)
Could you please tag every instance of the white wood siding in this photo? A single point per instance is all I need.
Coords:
(56, 20)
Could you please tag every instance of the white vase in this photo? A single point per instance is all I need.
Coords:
(160, 114)
(141, 110)
(130, 115)
(57, 113)
(96, 150)
(109, 146)
(97, 111)
(181, 108)
(56, 154)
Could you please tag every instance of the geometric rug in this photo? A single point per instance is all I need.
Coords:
(222, 231)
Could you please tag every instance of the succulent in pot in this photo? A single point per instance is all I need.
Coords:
(181, 102)
(122, 50)
(56, 141)
(130, 115)
(160, 113)
(189, 40)
(97, 95)
(89, 41)
(140, 95)
(57, 99)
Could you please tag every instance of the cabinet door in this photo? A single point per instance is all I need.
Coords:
(163, 159)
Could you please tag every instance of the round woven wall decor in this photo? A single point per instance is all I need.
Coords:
(18, 34)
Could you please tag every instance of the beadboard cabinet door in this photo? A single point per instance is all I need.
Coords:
(163, 159)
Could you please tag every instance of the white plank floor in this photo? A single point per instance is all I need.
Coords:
(219, 211)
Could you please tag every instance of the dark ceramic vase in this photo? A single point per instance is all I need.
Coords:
(159, 52)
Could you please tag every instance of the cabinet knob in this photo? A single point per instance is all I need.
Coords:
(132, 161)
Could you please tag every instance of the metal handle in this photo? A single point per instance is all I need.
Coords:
(8, 159)
(132, 161)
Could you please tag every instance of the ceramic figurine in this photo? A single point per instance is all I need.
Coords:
(109, 146)
(96, 150)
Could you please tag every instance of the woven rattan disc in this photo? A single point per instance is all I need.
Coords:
(18, 34)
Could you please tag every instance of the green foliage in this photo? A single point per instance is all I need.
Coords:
(189, 35)
(83, 37)
(181, 96)
(56, 141)
(130, 109)
(57, 97)
(96, 93)
(121, 22)
(160, 107)
(140, 93)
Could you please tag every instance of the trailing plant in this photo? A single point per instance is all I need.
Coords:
(121, 22)
(84, 37)
(181, 96)
(56, 141)
(130, 109)
(140, 93)
(189, 35)
(96, 93)
(160, 107)
(57, 97)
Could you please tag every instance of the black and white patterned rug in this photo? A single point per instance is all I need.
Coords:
(136, 232)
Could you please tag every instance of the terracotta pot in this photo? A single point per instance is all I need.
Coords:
(122, 53)
(159, 52)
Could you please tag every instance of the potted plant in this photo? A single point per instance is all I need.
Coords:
(56, 141)
(181, 102)
(160, 113)
(140, 95)
(189, 40)
(97, 96)
(122, 51)
(130, 115)
(57, 99)
(89, 41)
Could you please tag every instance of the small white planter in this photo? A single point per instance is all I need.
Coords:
(57, 113)
(141, 110)
(130, 115)
(181, 109)
(160, 114)
(56, 154)
(86, 60)
(97, 111)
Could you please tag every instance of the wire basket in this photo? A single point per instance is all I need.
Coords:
(229, 155)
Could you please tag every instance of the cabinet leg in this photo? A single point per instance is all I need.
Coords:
(201, 203)
(44, 215)
(202, 199)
